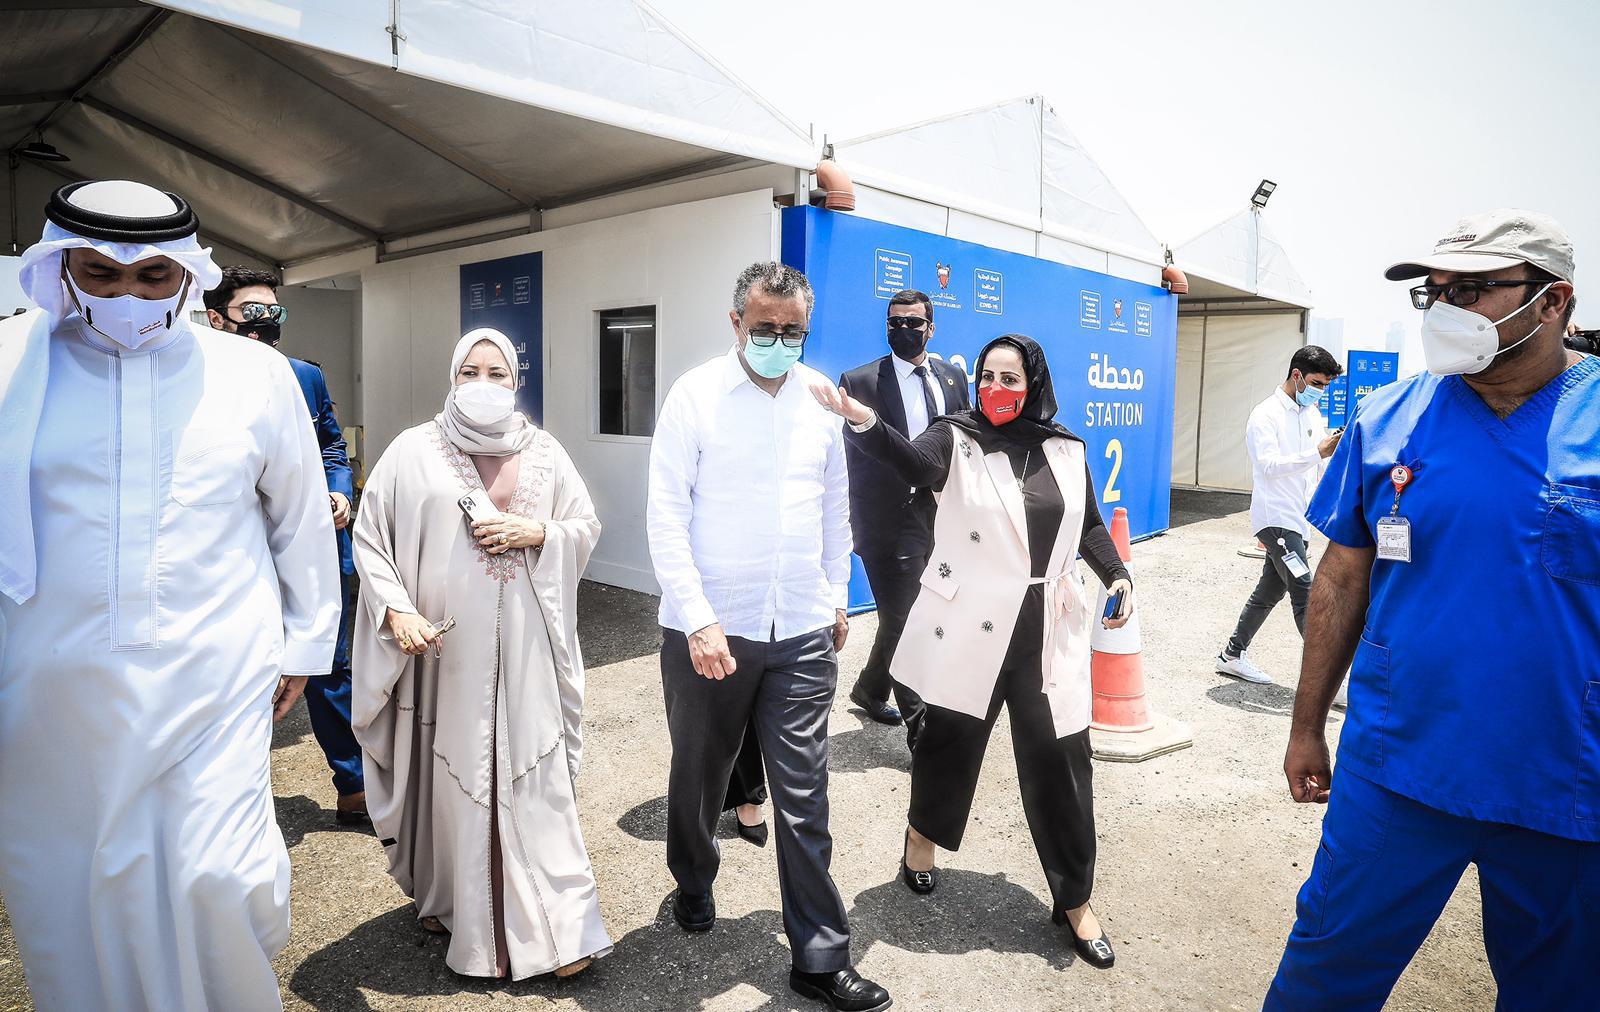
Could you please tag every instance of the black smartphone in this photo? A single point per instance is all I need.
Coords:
(1114, 604)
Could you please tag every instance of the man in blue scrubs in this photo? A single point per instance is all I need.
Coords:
(1463, 577)
(246, 303)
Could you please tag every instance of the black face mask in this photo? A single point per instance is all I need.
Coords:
(906, 343)
(268, 334)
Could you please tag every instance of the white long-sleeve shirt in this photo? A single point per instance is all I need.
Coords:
(911, 386)
(1285, 465)
(749, 505)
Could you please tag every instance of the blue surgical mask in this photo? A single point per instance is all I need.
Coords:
(771, 362)
(1311, 397)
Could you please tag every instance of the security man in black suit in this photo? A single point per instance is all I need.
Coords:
(892, 523)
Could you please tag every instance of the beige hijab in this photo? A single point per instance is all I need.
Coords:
(513, 434)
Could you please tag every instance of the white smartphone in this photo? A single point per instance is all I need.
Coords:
(477, 507)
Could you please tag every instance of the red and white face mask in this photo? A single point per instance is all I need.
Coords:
(999, 404)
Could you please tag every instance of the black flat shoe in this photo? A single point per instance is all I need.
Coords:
(920, 882)
(354, 818)
(1094, 951)
(879, 711)
(843, 990)
(756, 834)
(694, 913)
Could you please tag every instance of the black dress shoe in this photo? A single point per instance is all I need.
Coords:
(352, 818)
(920, 882)
(878, 710)
(694, 913)
(844, 990)
(756, 834)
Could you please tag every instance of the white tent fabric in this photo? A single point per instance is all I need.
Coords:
(1243, 254)
(616, 62)
(1015, 162)
(304, 128)
(1226, 366)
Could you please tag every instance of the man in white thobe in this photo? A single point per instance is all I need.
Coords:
(167, 575)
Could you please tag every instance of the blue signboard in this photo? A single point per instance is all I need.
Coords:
(508, 295)
(1336, 406)
(1369, 370)
(1111, 343)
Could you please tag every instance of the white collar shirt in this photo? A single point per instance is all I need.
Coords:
(1282, 439)
(911, 393)
(748, 512)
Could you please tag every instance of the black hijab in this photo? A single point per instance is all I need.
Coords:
(1037, 422)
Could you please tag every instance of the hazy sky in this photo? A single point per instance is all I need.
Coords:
(1382, 123)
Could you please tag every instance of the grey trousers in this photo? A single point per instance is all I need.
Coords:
(1275, 581)
(785, 689)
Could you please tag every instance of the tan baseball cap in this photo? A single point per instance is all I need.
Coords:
(1495, 240)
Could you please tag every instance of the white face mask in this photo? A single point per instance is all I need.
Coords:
(127, 320)
(484, 403)
(1457, 341)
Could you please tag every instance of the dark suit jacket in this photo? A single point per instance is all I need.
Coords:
(886, 518)
(335, 462)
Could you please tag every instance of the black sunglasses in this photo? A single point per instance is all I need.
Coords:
(767, 338)
(258, 312)
(1462, 293)
(907, 323)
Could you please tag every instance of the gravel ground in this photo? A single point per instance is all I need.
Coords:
(1201, 852)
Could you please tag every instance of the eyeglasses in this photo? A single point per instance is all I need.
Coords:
(258, 312)
(767, 338)
(1461, 293)
(907, 322)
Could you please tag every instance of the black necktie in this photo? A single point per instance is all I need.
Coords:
(921, 373)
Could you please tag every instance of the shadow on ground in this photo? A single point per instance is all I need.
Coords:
(1277, 700)
(300, 815)
(1194, 505)
(660, 966)
(615, 624)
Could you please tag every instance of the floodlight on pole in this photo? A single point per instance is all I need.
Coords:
(1263, 193)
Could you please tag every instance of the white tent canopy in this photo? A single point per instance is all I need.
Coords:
(1014, 162)
(300, 130)
(1242, 256)
(1242, 320)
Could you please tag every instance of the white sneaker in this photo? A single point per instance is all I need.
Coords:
(1341, 701)
(1241, 668)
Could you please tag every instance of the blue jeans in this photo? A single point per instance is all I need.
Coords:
(1385, 869)
(328, 702)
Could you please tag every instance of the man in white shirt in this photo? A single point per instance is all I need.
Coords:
(1287, 443)
(749, 527)
(168, 579)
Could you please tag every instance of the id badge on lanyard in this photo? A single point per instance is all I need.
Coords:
(1394, 530)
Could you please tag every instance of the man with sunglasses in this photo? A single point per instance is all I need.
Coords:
(1462, 576)
(246, 303)
(892, 522)
(748, 519)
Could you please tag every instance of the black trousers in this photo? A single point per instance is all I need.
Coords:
(784, 690)
(747, 785)
(1055, 774)
(1275, 581)
(895, 583)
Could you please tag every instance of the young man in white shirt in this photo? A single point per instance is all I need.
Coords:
(748, 518)
(1288, 444)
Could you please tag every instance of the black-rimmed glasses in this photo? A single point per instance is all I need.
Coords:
(767, 338)
(1462, 293)
(907, 323)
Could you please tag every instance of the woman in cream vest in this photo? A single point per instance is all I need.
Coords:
(1003, 618)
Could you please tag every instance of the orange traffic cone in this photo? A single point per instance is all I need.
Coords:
(1123, 728)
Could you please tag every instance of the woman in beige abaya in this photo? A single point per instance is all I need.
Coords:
(471, 734)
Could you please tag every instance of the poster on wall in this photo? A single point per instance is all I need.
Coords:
(508, 295)
(1111, 343)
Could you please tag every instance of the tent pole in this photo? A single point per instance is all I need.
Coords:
(11, 182)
